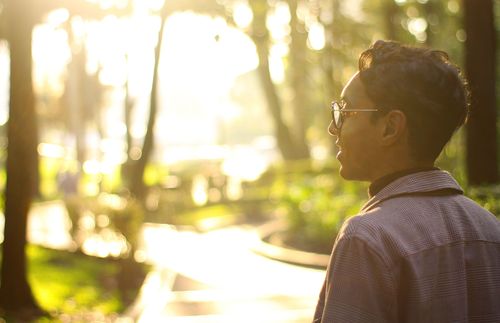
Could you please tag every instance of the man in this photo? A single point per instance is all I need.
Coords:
(420, 251)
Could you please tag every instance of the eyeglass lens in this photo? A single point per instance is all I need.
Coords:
(336, 114)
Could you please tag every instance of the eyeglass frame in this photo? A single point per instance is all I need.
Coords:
(343, 113)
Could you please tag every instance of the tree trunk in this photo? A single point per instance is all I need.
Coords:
(332, 60)
(390, 10)
(15, 291)
(138, 188)
(430, 9)
(298, 73)
(480, 55)
(260, 36)
(128, 105)
(73, 100)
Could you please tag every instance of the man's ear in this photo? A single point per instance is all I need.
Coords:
(394, 127)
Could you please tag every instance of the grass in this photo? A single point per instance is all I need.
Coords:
(206, 216)
(72, 286)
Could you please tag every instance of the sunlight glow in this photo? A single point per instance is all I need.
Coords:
(149, 4)
(282, 13)
(77, 28)
(102, 220)
(112, 200)
(91, 188)
(234, 190)
(418, 26)
(213, 252)
(202, 60)
(461, 35)
(57, 17)
(106, 243)
(140, 256)
(50, 228)
(353, 9)
(92, 167)
(412, 12)
(242, 15)
(106, 4)
(51, 54)
(276, 66)
(87, 221)
(113, 151)
(245, 164)
(51, 150)
(107, 43)
(199, 189)
(316, 36)
(453, 6)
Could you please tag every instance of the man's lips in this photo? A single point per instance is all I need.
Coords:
(339, 153)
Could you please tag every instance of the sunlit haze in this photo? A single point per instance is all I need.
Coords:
(202, 61)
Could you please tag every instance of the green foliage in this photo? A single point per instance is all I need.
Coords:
(48, 170)
(452, 158)
(316, 202)
(3, 178)
(207, 217)
(125, 214)
(112, 182)
(154, 173)
(488, 196)
(72, 284)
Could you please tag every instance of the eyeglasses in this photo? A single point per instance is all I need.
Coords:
(339, 113)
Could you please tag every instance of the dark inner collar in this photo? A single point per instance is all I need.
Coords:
(382, 182)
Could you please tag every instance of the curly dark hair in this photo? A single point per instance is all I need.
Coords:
(422, 83)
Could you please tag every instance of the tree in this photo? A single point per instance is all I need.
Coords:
(136, 183)
(22, 159)
(82, 96)
(480, 66)
(298, 77)
(391, 11)
(133, 170)
(260, 36)
(15, 291)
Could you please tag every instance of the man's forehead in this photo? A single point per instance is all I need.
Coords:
(352, 89)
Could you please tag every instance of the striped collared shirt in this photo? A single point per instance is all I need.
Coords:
(420, 251)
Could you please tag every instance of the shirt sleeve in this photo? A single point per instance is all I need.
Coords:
(358, 286)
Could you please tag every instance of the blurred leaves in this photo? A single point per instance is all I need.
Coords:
(315, 201)
(73, 284)
(108, 215)
(488, 196)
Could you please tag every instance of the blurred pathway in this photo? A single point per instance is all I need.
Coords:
(203, 277)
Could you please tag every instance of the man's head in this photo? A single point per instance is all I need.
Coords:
(420, 98)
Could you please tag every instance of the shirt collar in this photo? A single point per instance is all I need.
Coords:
(382, 182)
(423, 182)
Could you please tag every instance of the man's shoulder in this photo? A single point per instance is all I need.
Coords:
(416, 184)
(408, 224)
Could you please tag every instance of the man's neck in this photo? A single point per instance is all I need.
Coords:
(394, 161)
(377, 185)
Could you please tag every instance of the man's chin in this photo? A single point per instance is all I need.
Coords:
(350, 175)
(343, 173)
